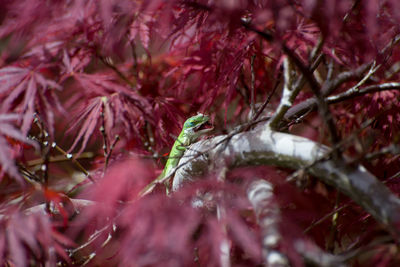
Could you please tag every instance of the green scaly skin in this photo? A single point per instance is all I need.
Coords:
(191, 131)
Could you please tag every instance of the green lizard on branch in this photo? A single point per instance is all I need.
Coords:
(192, 129)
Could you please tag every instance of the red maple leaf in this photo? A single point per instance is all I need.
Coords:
(123, 109)
(7, 130)
(26, 91)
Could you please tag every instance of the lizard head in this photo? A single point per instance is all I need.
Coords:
(197, 125)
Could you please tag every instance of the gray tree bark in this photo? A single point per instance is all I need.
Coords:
(263, 146)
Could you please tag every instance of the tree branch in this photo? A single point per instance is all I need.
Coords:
(311, 103)
(262, 146)
(354, 92)
(261, 196)
(287, 95)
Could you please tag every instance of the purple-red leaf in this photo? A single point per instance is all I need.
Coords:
(7, 130)
(28, 89)
(91, 117)
(28, 237)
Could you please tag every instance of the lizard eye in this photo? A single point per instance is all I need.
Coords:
(189, 124)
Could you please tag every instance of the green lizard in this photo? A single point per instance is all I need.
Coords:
(192, 129)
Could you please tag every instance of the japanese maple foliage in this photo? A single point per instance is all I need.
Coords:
(94, 92)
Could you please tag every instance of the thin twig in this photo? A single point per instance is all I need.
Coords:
(266, 102)
(330, 70)
(73, 160)
(29, 176)
(252, 85)
(103, 132)
(59, 158)
(334, 221)
(59, 149)
(108, 63)
(359, 92)
(391, 149)
(327, 216)
(135, 59)
(107, 160)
